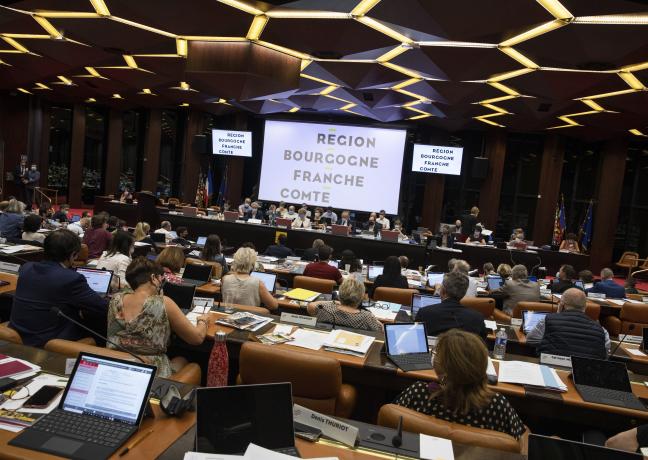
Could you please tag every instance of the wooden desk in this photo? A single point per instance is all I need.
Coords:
(166, 429)
(11, 279)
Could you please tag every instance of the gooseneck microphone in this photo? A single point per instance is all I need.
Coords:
(58, 312)
(630, 329)
(397, 440)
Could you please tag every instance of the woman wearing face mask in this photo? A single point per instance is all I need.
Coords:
(117, 258)
(301, 221)
(476, 236)
(141, 320)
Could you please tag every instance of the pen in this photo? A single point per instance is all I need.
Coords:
(134, 443)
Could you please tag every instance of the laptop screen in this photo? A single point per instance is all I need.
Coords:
(494, 282)
(374, 271)
(435, 278)
(421, 300)
(543, 447)
(579, 284)
(531, 318)
(109, 388)
(266, 278)
(98, 280)
(406, 338)
(230, 418)
(599, 373)
(644, 343)
(181, 294)
(201, 241)
(197, 272)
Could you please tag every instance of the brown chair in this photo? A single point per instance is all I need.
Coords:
(82, 257)
(189, 374)
(175, 201)
(396, 295)
(629, 260)
(316, 380)
(593, 310)
(217, 268)
(633, 317)
(484, 305)
(314, 284)
(533, 306)
(417, 422)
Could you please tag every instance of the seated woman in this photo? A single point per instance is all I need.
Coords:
(172, 259)
(213, 252)
(142, 320)
(238, 287)
(141, 231)
(462, 394)
(391, 276)
(346, 312)
(125, 196)
(31, 225)
(117, 258)
(347, 257)
(489, 269)
(476, 237)
(570, 243)
(504, 270)
(398, 226)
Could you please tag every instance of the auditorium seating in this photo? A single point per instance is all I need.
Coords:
(593, 310)
(314, 284)
(632, 319)
(82, 256)
(628, 260)
(395, 295)
(417, 422)
(484, 305)
(316, 380)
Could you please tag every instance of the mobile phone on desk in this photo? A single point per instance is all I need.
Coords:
(43, 397)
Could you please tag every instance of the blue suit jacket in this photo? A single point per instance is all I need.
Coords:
(43, 285)
(609, 288)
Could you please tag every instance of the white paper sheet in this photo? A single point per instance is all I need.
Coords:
(490, 324)
(635, 352)
(433, 448)
(255, 452)
(202, 456)
(308, 339)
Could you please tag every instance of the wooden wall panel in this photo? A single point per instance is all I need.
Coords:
(191, 164)
(151, 162)
(489, 195)
(548, 188)
(76, 155)
(114, 150)
(433, 201)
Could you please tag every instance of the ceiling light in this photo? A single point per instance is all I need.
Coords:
(496, 99)
(294, 109)
(507, 75)
(483, 120)
(147, 92)
(91, 99)
(504, 88)
(389, 55)
(568, 120)
(631, 80)
(495, 108)
(184, 104)
(328, 90)
(613, 93)
(92, 71)
(242, 6)
(352, 112)
(405, 71)
(257, 26)
(519, 57)
(284, 50)
(405, 83)
(593, 105)
(65, 80)
(418, 117)
(412, 103)
(414, 109)
(456, 44)
(363, 7)
(15, 44)
(23, 90)
(335, 98)
(320, 80)
(181, 47)
(66, 14)
(138, 25)
(556, 9)
(635, 67)
(10, 51)
(617, 19)
(414, 95)
(307, 14)
(184, 86)
(382, 28)
(492, 115)
(28, 36)
(156, 55)
(348, 106)
(117, 96)
(580, 114)
(564, 126)
(100, 7)
(4, 63)
(535, 32)
(304, 63)
(130, 62)
(42, 86)
(562, 69)
(221, 101)
(636, 132)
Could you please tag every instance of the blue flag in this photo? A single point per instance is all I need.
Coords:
(210, 183)
(222, 191)
(586, 227)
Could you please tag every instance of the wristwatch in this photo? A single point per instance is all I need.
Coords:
(202, 321)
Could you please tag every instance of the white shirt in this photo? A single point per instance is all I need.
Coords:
(290, 216)
(76, 229)
(167, 234)
(330, 215)
(301, 223)
(384, 222)
(33, 236)
(472, 287)
(117, 263)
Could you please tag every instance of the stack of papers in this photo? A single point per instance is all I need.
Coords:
(16, 368)
(341, 341)
(308, 339)
(302, 294)
(18, 248)
(244, 321)
(280, 334)
(433, 448)
(530, 374)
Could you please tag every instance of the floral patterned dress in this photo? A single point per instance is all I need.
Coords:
(146, 335)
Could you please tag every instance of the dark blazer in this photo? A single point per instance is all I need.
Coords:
(561, 286)
(439, 240)
(450, 314)
(609, 288)
(278, 250)
(468, 223)
(43, 285)
(310, 254)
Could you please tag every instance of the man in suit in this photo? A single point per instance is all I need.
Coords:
(52, 283)
(20, 178)
(344, 219)
(607, 286)
(279, 250)
(518, 289)
(469, 221)
(450, 314)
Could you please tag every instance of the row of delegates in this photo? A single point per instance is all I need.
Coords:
(118, 257)
(97, 238)
(141, 319)
(518, 289)
(238, 287)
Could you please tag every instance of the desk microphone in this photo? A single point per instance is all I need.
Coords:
(630, 329)
(58, 312)
(397, 440)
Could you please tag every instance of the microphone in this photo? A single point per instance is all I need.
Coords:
(397, 440)
(630, 329)
(58, 312)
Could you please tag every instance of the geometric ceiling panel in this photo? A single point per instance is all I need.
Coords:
(465, 64)
(566, 85)
(363, 76)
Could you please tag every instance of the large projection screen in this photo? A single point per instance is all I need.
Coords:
(346, 167)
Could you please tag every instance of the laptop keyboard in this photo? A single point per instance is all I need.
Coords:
(414, 358)
(605, 394)
(84, 428)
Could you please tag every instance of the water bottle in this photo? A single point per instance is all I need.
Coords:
(218, 367)
(500, 344)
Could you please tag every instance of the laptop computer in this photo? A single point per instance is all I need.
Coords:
(196, 274)
(530, 319)
(268, 279)
(435, 278)
(229, 418)
(200, 242)
(373, 271)
(340, 229)
(102, 406)
(545, 447)
(423, 300)
(579, 284)
(98, 280)
(407, 346)
(230, 216)
(158, 237)
(494, 282)
(389, 235)
(604, 382)
(182, 295)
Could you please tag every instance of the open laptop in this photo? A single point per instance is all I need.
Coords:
(604, 382)
(158, 237)
(196, 274)
(182, 295)
(229, 418)
(373, 271)
(98, 280)
(268, 279)
(102, 406)
(530, 319)
(407, 346)
(435, 278)
(579, 284)
(494, 282)
(423, 300)
(545, 447)
(200, 242)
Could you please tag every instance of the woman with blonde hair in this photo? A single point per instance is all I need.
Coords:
(142, 230)
(504, 270)
(462, 394)
(238, 287)
(172, 259)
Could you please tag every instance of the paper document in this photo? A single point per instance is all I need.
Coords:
(19, 248)
(308, 339)
(531, 374)
(140, 244)
(490, 324)
(255, 452)
(616, 302)
(339, 339)
(201, 456)
(302, 294)
(635, 352)
(433, 448)
(382, 314)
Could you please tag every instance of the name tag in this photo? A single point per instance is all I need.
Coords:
(9, 267)
(333, 428)
(595, 295)
(632, 339)
(254, 221)
(298, 319)
(555, 360)
(516, 322)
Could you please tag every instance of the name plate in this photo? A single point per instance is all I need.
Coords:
(9, 267)
(254, 221)
(555, 360)
(432, 341)
(637, 339)
(333, 428)
(595, 295)
(516, 322)
(298, 319)
(645, 300)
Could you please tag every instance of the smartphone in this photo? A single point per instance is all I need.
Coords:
(43, 397)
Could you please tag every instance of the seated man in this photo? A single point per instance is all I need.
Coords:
(371, 225)
(330, 215)
(290, 214)
(518, 289)
(254, 212)
(182, 237)
(450, 314)
(97, 238)
(566, 275)
(51, 283)
(301, 221)
(321, 268)
(382, 220)
(462, 267)
(344, 219)
(445, 239)
(62, 214)
(311, 254)
(165, 227)
(280, 250)
(570, 331)
(245, 207)
(608, 286)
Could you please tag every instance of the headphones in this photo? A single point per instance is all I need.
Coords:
(175, 405)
